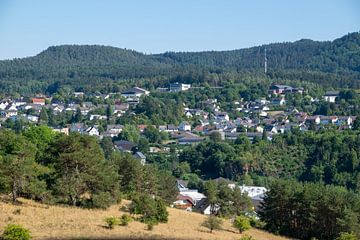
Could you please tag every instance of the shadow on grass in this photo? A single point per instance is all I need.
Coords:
(123, 238)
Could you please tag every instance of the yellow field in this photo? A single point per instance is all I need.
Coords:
(56, 222)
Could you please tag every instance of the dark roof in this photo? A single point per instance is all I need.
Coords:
(332, 93)
(134, 90)
(123, 145)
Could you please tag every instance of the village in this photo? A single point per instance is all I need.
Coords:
(262, 119)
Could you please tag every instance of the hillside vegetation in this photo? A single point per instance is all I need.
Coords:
(102, 68)
(56, 222)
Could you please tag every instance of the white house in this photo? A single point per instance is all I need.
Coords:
(330, 96)
(92, 131)
(177, 87)
(222, 116)
(184, 126)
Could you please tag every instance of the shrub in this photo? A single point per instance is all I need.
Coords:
(347, 236)
(111, 222)
(101, 200)
(161, 211)
(125, 219)
(246, 237)
(256, 223)
(242, 223)
(16, 232)
(212, 223)
(17, 211)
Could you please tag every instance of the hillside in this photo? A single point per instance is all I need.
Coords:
(55, 222)
(92, 67)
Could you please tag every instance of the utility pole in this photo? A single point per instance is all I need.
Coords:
(265, 63)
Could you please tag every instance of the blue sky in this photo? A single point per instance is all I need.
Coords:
(153, 26)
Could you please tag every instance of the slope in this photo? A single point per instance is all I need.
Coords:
(55, 222)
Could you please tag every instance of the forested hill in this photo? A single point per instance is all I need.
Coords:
(91, 67)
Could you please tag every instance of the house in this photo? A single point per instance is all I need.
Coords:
(279, 89)
(141, 157)
(78, 94)
(38, 101)
(184, 202)
(313, 120)
(222, 116)
(62, 130)
(271, 129)
(92, 131)
(328, 119)
(177, 87)
(330, 96)
(77, 127)
(134, 93)
(32, 118)
(256, 194)
(186, 137)
(172, 128)
(345, 120)
(125, 146)
(184, 126)
(206, 208)
(114, 129)
(97, 116)
(278, 102)
(120, 109)
(193, 194)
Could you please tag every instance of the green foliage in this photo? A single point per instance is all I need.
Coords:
(79, 168)
(125, 220)
(242, 223)
(246, 237)
(17, 163)
(310, 210)
(152, 210)
(16, 232)
(130, 133)
(212, 223)
(347, 236)
(101, 68)
(111, 222)
(101, 200)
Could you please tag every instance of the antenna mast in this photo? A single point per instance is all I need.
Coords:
(265, 63)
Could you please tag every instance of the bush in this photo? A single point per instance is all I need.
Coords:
(212, 223)
(161, 211)
(242, 223)
(347, 236)
(150, 226)
(256, 223)
(246, 237)
(17, 211)
(101, 200)
(16, 232)
(125, 219)
(111, 222)
(152, 210)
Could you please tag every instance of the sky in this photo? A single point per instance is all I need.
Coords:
(28, 27)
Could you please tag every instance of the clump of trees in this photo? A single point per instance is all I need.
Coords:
(56, 168)
(152, 210)
(305, 210)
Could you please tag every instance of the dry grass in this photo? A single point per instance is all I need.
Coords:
(56, 222)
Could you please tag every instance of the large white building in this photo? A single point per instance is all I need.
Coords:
(177, 87)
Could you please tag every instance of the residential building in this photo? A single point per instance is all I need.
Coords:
(177, 87)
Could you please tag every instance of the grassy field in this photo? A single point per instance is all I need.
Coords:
(56, 222)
